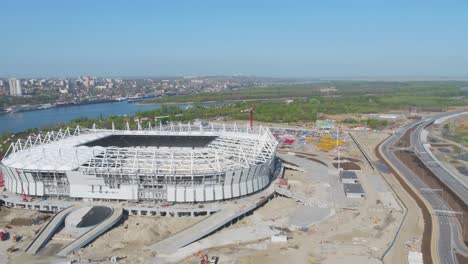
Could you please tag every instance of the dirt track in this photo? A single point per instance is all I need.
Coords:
(462, 259)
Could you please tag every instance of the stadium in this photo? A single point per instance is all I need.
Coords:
(173, 163)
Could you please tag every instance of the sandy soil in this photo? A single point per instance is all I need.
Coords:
(411, 234)
(129, 238)
(359, 235)
(19, 222)
(338, 240)
(351, 236)
(277, 209)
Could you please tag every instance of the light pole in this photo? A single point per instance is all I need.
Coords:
(338, 148)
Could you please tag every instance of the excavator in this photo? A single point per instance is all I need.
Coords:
(204, 258)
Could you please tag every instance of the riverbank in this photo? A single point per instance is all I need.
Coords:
(46, 118)
(42, 118)
(217, 101)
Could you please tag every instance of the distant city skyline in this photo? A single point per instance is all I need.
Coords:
(14, 87)
(300, 39)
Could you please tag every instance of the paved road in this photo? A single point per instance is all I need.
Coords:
(421, 148)
(449, 239)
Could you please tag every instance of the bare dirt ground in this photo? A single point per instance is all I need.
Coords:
(129, 238)
(337, 240)
(277, 209)
(347, 166)
(462, 259)
(358, 235)
(410, 236)
(125, 240)
(417, 226)
(18, 222)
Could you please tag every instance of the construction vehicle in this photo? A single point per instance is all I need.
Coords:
(25, 198)
(12, 249)
(4, 235)
(16, 238)
(204, 258)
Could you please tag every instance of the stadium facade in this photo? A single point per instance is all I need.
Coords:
(174, 163)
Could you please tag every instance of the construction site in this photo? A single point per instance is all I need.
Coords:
(325, 196)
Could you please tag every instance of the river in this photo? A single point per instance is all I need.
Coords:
(20, 121)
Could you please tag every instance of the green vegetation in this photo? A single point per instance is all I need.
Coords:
(350, 121)
(375, 123)
(251, 93)
(456, 132)
(341, 97)
(330, 88)
(301, 109)
(3, 138)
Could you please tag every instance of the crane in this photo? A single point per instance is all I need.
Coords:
(251, 109)
(251, 117)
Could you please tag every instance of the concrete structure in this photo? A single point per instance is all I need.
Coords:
(48, 231)
(325, 124)
(174, 163)
(415, 257)
(91, 233)
(156, 210)
(348, 177)
(354, 190)
(15, 87)
(96, 231)
(279, 239)
(385, 116)
(422, 149)
(229, 214)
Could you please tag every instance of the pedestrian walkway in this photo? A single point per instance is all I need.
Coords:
(48, 231)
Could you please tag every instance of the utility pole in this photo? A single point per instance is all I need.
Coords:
(337, 146)
(367, 126)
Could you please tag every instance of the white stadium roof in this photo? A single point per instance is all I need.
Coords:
(230, 147)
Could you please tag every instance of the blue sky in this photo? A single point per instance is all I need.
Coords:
(271, 38)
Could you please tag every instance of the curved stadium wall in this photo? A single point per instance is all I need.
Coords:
(174, 163)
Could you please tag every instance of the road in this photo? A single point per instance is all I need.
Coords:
(418, 142)
(449, 240)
